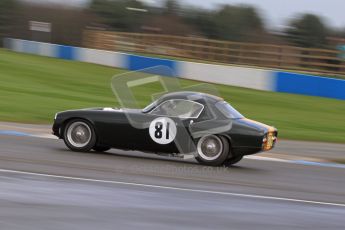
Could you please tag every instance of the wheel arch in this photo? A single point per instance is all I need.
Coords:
(228, 138)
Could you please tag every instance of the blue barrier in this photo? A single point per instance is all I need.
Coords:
(310, 85)
(139, 62)
(66, 52)
(238, 76)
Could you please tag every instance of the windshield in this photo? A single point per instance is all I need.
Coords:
(149, 107)
(228, 110)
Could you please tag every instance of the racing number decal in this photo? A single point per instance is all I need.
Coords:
(162, 130)
(158, 132)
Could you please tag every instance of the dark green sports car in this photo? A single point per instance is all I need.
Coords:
(177, 124)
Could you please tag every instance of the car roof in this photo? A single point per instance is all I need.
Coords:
(190, 95)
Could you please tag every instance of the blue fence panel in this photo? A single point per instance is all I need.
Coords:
(310, 85)
(66, 52)
(135, 62)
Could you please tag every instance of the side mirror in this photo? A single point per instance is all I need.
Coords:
(191, 122)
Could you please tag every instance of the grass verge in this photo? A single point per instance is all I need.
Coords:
(33, 89)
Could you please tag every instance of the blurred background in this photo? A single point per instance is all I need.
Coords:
(292, 35)
(278, 62)
(276, 44)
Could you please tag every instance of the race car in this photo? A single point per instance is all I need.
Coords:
(177, 124)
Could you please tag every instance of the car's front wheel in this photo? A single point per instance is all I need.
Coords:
(79, 136)
(212, 150)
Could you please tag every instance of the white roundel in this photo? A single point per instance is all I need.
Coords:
(162, 130)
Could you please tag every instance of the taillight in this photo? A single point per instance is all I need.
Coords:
(268, 141)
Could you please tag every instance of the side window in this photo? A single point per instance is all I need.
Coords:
(179, 108)
(205, 115)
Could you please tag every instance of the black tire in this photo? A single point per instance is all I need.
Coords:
(79, 135)
(212, 158)
(99, 148)
(233, 160)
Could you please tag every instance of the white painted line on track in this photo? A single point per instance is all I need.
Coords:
(252, 157)
(175, 188)
(46, 136)
(23, 134)
(298, 162)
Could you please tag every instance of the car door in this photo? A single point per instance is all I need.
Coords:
(130, 129)
(169, 126)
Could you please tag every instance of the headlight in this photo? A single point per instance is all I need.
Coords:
(56, 116)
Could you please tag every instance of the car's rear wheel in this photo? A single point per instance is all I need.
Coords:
(233, 160)
(212, 150)
(79, 136)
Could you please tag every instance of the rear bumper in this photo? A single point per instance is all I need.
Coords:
(243, 151)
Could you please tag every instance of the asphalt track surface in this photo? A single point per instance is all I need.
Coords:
(45, 186)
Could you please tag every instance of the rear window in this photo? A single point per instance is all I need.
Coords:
(228, 110)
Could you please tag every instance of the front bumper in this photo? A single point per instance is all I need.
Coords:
(56, 131)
